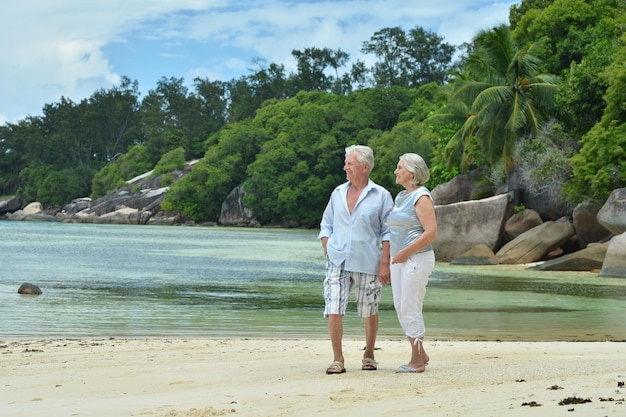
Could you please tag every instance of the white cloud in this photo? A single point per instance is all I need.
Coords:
(62, 47)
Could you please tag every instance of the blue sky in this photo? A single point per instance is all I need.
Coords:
(71, 48)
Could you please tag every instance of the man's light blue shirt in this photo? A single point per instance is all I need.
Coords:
(356, 238)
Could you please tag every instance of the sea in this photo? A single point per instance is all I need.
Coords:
(137, 281)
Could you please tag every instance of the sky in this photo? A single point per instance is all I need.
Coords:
(71, 48)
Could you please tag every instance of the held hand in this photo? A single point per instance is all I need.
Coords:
(384, 275)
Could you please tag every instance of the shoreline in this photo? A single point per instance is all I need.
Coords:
(264, 376)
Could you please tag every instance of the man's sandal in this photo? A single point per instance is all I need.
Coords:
(369, 364)
(336, 368)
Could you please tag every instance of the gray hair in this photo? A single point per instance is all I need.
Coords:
(365, 155)
(416, 165)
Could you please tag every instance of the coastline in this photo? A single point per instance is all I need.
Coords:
(195, 377)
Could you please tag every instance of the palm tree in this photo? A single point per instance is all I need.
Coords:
(498, 99)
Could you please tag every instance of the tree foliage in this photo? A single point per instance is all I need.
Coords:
(599, 166)
(408, 59)
(500, 98)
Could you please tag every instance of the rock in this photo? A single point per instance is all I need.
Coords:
(33, 208)
(78, 204)
(615, 260)
(33, 211)
(29, 289)
(588, 228)
(234, 212)
(461, 226)
(10, 205)
(16, 215)
(545, 204)
(123, 215)
(612, 215)
(536, 243)
(165, 219)
(521, 222)
(478, 255)
(588, 259)
(463, 187)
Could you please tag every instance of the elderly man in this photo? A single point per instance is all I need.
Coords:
(355, 238)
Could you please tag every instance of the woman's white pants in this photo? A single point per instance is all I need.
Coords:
(408, 285)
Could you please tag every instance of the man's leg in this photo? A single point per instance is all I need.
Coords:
(335, 330)
(337, 287)
(371, 330)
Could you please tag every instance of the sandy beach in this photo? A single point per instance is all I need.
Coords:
(285, 377)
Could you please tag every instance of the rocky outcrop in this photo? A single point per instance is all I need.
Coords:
(464, 225)
(535, 244)
(615, 260)
(124, 206)
(612, 215)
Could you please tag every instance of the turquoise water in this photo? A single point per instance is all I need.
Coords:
(177, 281)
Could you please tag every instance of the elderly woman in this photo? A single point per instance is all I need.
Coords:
(413, 228)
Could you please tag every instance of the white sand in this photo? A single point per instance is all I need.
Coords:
(267, 377)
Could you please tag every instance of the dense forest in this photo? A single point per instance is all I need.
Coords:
(543, 96)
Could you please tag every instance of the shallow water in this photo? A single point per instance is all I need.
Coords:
(176, 281)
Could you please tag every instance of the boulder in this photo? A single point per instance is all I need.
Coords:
(165, 219)
(234, 212)
(588, 228)
(9, 205)
(78, 204)
(545, 203)
(29, 289)
(33, 208)
(612, 215)
(521, 222)
(588, 259)
(461, 226)
(124, 215)
(536, 243)
(615, 260)
(463, 187)
(478, 255)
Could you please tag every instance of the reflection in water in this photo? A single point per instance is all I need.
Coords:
(104, 280)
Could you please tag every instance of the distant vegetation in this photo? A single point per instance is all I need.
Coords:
(543, 96)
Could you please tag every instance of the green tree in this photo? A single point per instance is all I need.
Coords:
(500, 98)
(569, 27)
(599, 166)
(247, 94)
(313, 63)
(111, 120)
(408, 59)
(13, 155)
(580, 42)
(172, 116)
